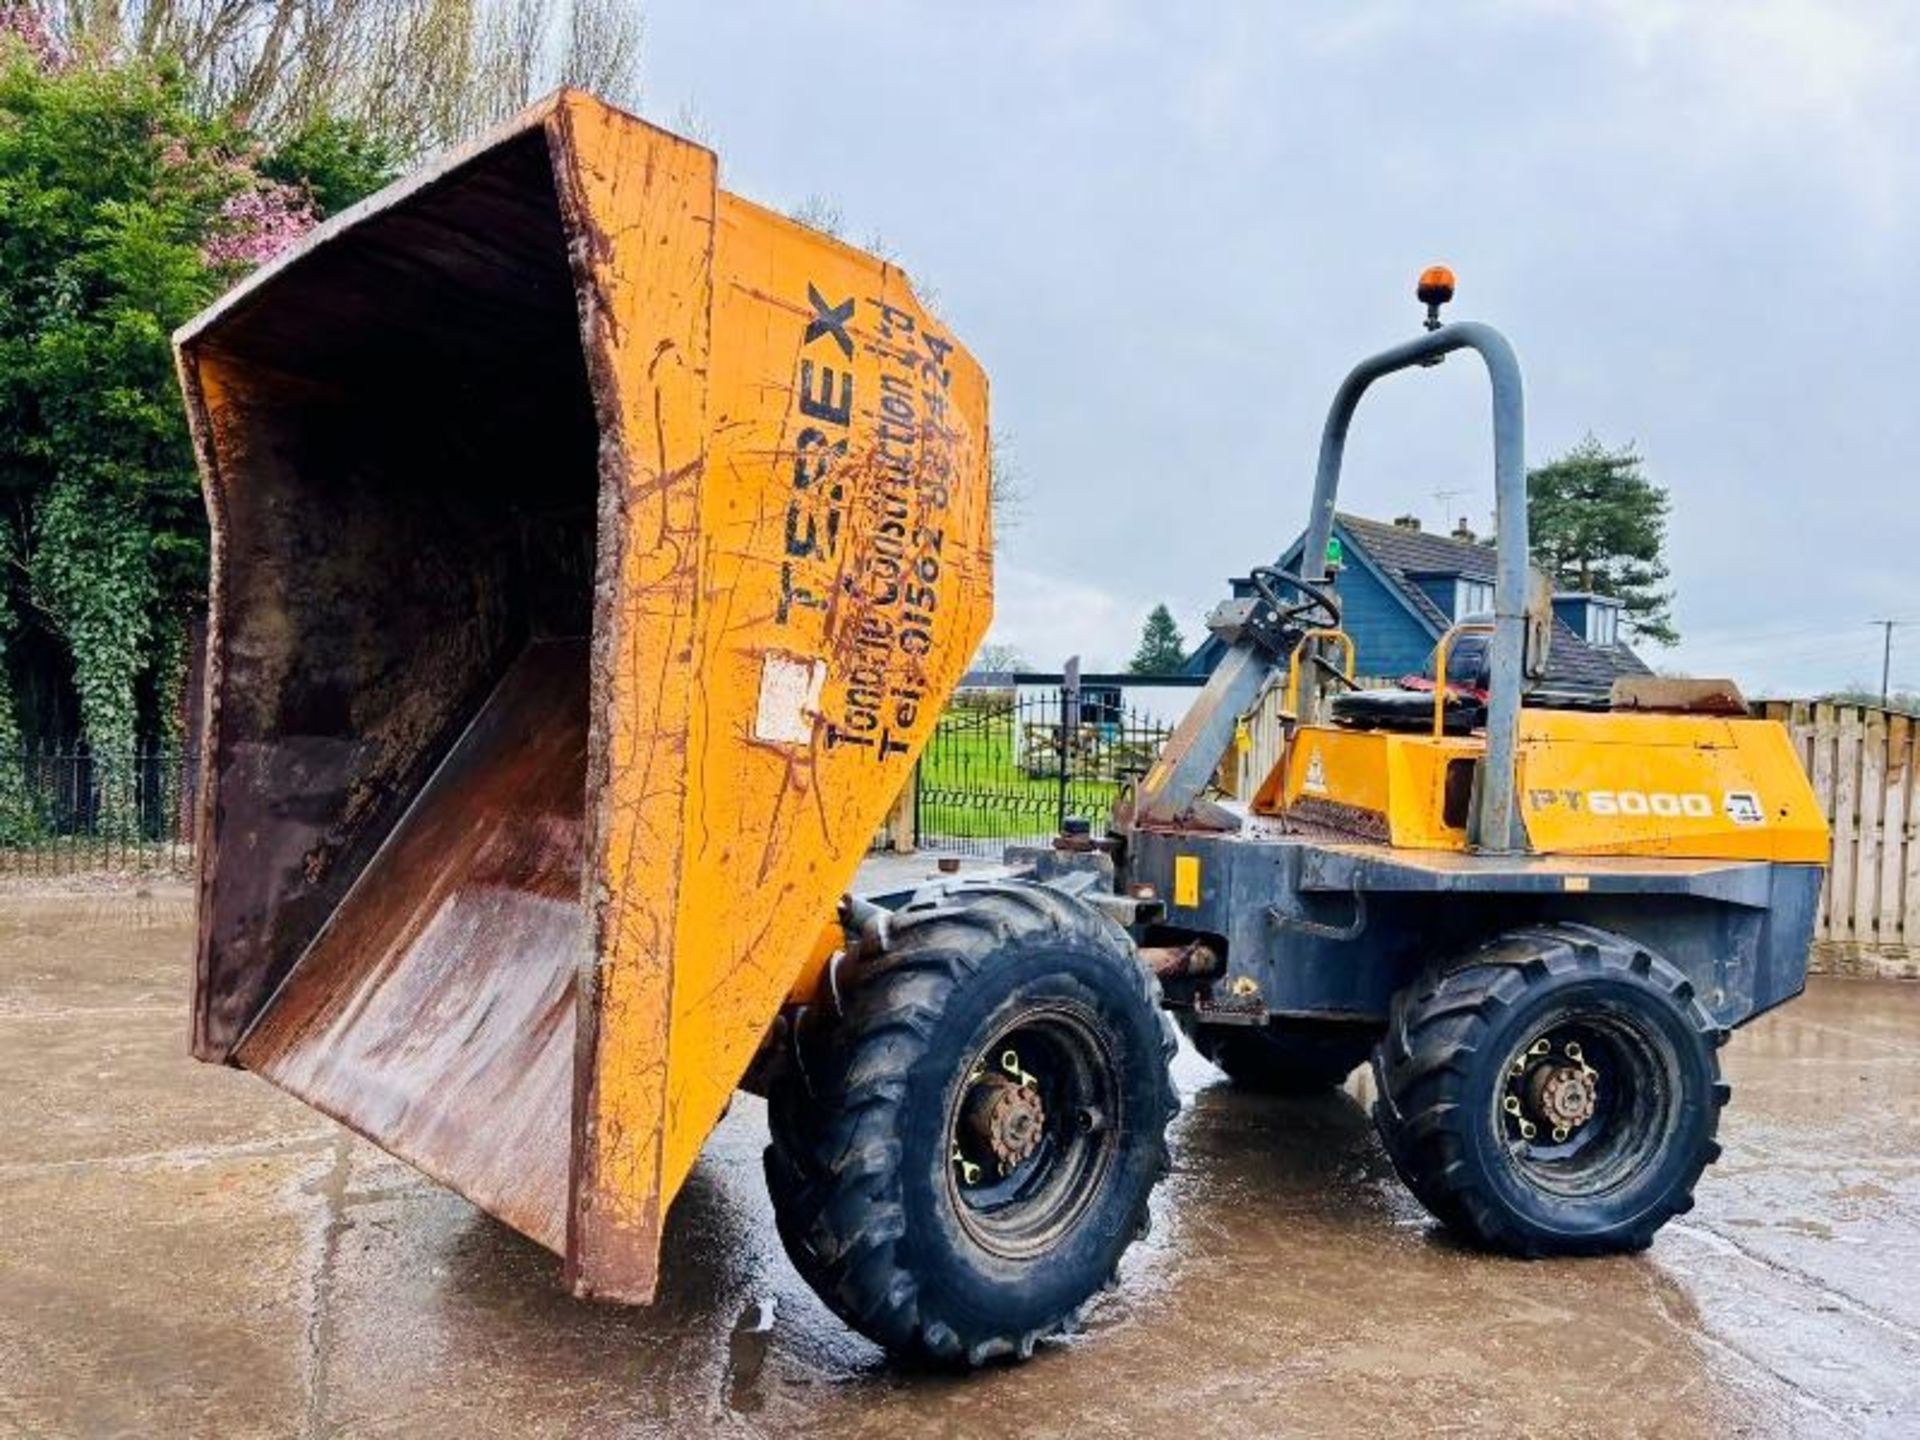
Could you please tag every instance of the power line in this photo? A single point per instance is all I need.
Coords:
(1799, 651)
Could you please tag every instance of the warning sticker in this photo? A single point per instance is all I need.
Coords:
(1316, 777)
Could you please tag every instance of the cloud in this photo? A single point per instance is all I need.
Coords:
(1167, 232)
(1047, 617)
(1757, 75)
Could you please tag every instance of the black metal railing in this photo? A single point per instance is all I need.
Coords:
(1000, 769)
(67, 811)
(1005, 768)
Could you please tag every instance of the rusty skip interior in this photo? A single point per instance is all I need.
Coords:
(404, 501)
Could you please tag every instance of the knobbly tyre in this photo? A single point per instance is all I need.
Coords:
(593, 553)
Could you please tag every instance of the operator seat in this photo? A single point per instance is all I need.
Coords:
(1408, 707)
(1405, 708)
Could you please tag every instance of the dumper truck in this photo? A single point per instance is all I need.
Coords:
(593, 552)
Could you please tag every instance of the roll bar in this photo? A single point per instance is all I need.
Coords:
(1172, 788)
(1495, 824)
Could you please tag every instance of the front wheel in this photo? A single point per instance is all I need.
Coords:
(964, 1153)
(1555, 1094)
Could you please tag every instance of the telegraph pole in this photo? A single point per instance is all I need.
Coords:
(1886, 654)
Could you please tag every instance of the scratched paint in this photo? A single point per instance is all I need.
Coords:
(563, 392)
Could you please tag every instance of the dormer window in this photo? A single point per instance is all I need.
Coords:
(1594, 618)
(1603, 624)
(1472, 597)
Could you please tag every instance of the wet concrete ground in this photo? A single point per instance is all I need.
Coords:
(185, 1251)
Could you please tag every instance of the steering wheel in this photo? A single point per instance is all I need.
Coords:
(1320, 610)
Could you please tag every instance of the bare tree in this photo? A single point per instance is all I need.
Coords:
(819, 212)
(603, 48)
(521, 49)
(420, 73)
(998, 658)
(1006, 490)
(690, 123)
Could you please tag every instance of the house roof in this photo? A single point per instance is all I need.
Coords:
(1420, 552)
(1402, 556)
(1573, 661)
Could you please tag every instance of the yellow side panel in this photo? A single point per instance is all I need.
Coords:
(1684, 786)
(1401, 778)
(1346, 767)
(803, 576)
(1417, 766)
(846, 542)
(648, 345)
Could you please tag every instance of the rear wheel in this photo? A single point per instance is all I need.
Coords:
(1281, 1058)
(1555, 1094)
(963, 1154)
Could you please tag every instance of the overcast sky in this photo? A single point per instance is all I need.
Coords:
(1167, 231)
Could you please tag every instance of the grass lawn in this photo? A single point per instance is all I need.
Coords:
(973, 784)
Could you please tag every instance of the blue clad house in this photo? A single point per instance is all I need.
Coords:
(1401, 587)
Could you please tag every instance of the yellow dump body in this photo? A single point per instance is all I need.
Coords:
(593, 553)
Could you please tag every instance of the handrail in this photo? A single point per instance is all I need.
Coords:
(1292, 701)
(1441, 687)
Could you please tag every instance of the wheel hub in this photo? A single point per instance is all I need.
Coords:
(1551, 1087)
(1562, 1095)
(1033, 1130)
(1005, 1118)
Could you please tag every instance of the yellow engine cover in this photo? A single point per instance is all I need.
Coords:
(1682, 786)
(1687, 786)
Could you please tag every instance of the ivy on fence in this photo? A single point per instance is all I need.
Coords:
(65, 811)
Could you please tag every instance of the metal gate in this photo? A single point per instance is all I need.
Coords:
(1004, 768)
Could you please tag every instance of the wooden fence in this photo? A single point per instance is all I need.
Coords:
(1863, 760)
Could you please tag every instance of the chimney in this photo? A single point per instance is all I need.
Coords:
(1463, 531)
(1407, 522)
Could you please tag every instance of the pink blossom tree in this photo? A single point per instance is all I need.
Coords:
(25, 24)
(256, 222)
